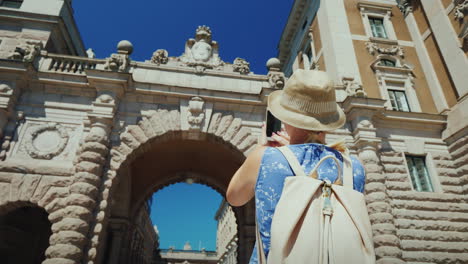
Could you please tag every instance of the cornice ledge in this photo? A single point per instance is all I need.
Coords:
(432, 119)
(207, 72)
(374, 5)
(13, 66)
(107, 76)
(43, 167)
(354, 103)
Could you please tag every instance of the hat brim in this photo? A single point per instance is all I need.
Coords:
(301, 120)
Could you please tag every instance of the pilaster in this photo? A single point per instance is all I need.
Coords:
(449, 44)
(338, 49)
(426, 64)
(361, 112)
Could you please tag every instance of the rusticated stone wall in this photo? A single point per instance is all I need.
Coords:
(459, 162)
(431, 226)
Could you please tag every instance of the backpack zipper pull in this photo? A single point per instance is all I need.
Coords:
(326, 194)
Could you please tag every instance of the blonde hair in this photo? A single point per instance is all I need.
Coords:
(313, 137)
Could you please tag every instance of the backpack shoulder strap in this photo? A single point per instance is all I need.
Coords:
(348, 180)
(292, 160)
(260, 251)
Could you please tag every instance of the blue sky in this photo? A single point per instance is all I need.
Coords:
(184, 212)
(249, 29)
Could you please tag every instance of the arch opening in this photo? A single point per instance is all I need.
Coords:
(24, 235)
(166, 160)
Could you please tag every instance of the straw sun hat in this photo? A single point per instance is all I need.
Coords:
(307, 101)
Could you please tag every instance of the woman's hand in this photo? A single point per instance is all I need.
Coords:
(278, 139)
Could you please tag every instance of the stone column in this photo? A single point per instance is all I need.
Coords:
(449, 44)
(8, 118)
(386, 242)
(72, 224)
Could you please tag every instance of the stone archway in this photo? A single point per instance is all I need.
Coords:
(158, 136)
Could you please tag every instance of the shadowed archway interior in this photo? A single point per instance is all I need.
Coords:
(207, 160)
(24, 235)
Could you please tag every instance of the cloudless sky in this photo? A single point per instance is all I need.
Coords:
(184, 212)
(249, 29)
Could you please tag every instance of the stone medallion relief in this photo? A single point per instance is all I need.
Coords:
(47, 141)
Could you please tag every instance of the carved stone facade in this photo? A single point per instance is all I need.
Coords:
(415, 49)
(90, 140)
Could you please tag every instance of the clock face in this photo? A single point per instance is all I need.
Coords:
(201, 51)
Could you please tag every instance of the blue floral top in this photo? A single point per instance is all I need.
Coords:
(275, 168)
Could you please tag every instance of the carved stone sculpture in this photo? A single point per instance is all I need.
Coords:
(105, 99)
(5, 89)
(241, 66)
(461, 10)
(353, 88)
(195, 115)
(405, 6)
(161, 56)
(373, 49)
(46, 141)
(27, 52)
(117, 62)
(276, 78)
(90, 53)
(201, 52)
(120, 61)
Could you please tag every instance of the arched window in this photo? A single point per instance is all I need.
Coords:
(387, 62)
(11, 3)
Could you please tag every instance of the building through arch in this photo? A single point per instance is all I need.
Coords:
(174, 157)
(76, 130)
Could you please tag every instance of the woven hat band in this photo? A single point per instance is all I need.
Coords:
(307, 106)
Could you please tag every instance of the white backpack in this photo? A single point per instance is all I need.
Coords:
(318, 222)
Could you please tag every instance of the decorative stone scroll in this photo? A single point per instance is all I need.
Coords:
(160, 56)
(46, 141)
(405, 6)
(241, 66)
(27, 52)
(353, 88)
(374, 49)
(202, 52)
(195, 115)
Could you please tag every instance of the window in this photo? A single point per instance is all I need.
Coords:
(398, 100)
(377, 27)
(11, 3)
(419, 174)
(387, 62)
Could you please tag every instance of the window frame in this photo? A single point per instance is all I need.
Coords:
(430, 169)
(379, 12)
(406, 80)
(393, 63)
(396, 107)
(373, 26)
(18, 2)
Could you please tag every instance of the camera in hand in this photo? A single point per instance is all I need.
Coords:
(272, 125)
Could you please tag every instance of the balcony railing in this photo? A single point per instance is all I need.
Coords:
(70, 64)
